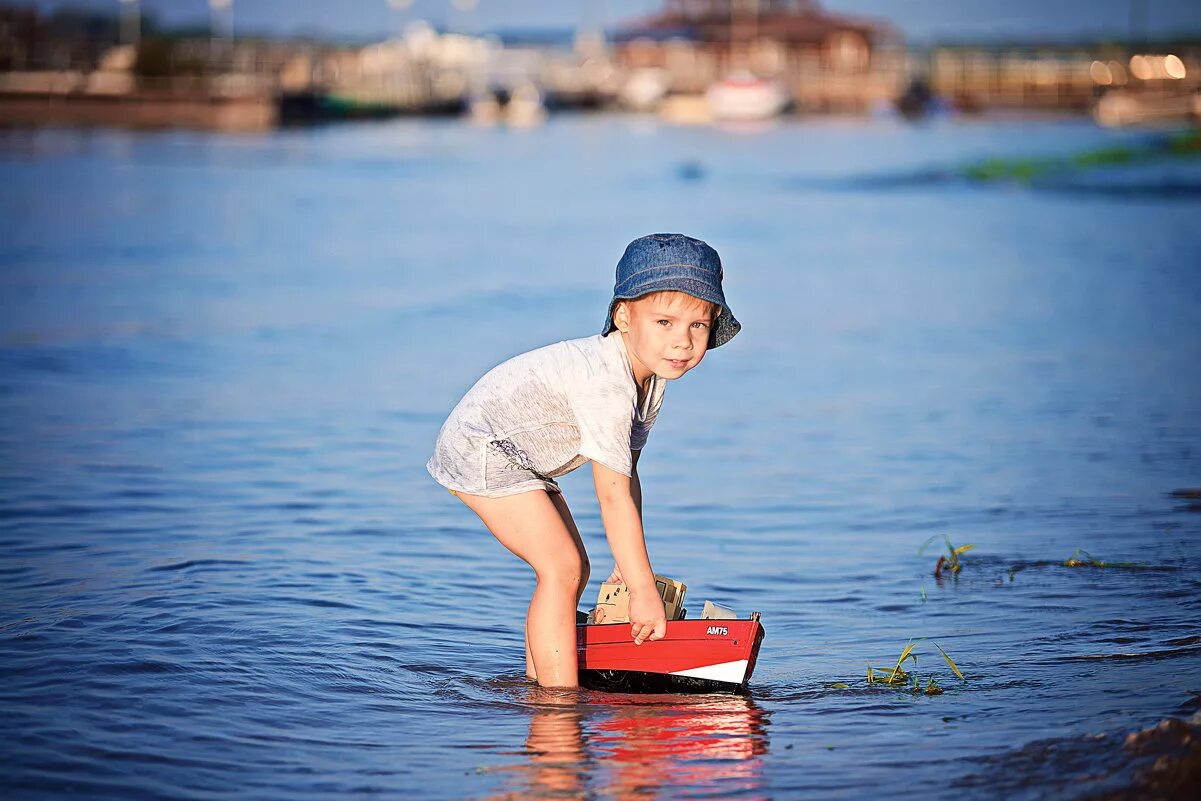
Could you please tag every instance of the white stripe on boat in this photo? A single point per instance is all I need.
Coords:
(732, 672)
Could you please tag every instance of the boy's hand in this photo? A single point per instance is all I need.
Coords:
(615, 576)
(647, 618)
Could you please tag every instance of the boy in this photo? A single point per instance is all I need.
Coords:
(544, 413)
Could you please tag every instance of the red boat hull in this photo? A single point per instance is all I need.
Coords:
(694, 656)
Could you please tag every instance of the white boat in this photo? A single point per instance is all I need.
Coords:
(743, 96)
(525, 108)
(483, 108)
(645, 89)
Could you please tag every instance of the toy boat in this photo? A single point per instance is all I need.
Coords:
(694, 656)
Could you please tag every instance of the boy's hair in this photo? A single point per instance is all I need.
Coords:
(713, 308)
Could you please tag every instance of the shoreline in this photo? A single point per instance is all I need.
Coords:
(141, 110)
(262, 114)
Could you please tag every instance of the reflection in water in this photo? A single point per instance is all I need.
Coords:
(710, 743)
(557, 765)
(643, 747)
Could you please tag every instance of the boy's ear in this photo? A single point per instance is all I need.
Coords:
(621, 316)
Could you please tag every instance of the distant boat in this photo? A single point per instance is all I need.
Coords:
(483, 108)
(645, 89)
(743, 96)
(525, 108)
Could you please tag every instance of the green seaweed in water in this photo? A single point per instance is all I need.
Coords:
(950, 562)
(1182, 145)
(1089, 560)
(897, 676)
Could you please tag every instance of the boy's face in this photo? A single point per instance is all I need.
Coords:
(666, 334)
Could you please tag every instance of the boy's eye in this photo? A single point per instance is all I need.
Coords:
(664, 322)
(700, 325)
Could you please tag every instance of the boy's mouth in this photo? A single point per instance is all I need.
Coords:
(678, 364)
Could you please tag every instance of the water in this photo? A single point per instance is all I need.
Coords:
(223, 361)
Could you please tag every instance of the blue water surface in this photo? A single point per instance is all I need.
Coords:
(224, 572)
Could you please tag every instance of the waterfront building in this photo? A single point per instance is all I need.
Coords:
(827, 61)
(1061, 76)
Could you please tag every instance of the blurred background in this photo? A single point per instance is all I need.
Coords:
(252, 253)
(257, 65)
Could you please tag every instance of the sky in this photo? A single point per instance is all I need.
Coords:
(919, 20)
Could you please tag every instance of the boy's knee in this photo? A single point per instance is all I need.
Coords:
(569, 570)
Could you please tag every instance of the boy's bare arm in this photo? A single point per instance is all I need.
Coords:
(635, 484)
(636, 492)
(623, 527)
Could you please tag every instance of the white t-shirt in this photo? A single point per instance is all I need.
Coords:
(541, 415)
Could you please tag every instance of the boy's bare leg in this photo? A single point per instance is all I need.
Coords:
(564, 512)
(568, 521)
(532, 527)
(530, 673)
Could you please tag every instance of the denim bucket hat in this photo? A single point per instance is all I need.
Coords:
(678, 263)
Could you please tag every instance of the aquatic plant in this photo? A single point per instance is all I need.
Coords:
(951, 560)
(897, 676)
(1029, 169)
(1090, 561)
